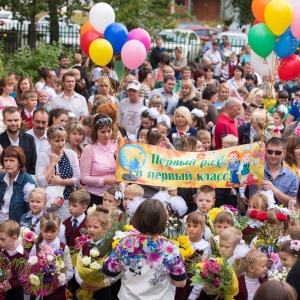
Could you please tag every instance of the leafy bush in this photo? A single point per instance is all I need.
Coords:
(26, 61)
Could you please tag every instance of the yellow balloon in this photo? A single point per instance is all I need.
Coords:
(101, 52)
(278, 16)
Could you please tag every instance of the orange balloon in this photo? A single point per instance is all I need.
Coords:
(86, 27)
(258, 9)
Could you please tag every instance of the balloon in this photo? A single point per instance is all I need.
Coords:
(117, 35)
(141, 35)
(289, 68)
(101, 15)
(263, 66)
(101, 52)
(86, 27)
(295, 25)
(286, 45)
(261, 39)
(278, 16)
(87, 38)
(255, 22)
(258, 9)
(133, 54)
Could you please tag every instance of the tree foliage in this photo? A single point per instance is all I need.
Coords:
(245, 15)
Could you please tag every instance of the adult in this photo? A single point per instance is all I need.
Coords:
(49, 77)
(24, 84)
(186, 73)
(216, 60)
(209, 96)
(168, 70)
(123, 94)
(255, 97)
(199, 78)
(294, 113)
(209, 77)
(209, 44)
(78, 64)
(238, 80)
(111, 111)
(204, 63)
(98, 160)
(63, 64)
(293, 88)
(75, 137)
(248, 69)
(15, 185)
(170, 99)
(69, 99)
(292, 155)
(58, 117)
(149, 274)
(145, 79)
(156, 52)
(12, 136)
(246, 57)
(187, 95)
(182, 121)
(40, 121)
(179, 62)
(58, 168)
(129, 108)
(226, 122)
(15, 77)
(224, 40)
(279, 179)
(223, 95)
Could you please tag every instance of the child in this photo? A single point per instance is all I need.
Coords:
(79, 201)
(248, 113)
(37, 204)
(113, 197)
(157, 102)
(6, 88)
(288, 253)
(278, 119)
(249, 84)
(191, 144)
(195, 225)
(148, 118)
(131, 191)
(205, 137)
(142, 138)
(30, 101)
(172, 191)
(282, 99)
(251, 272)
(9, 233)
(50, 225)
(164, 129)
(243, 93)
(223, 220)
(154, 137)
(229, 141)
(87, 123)
(198, 121)
(98, 223)
(43, 99)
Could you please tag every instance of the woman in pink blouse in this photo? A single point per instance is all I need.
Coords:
(98, 160)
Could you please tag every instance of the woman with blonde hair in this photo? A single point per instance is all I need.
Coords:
(256, 97)
(187, 95)
(223, 95)
(104, 88)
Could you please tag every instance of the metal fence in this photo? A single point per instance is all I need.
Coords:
(14, 36)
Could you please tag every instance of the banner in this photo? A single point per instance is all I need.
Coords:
(157, 166)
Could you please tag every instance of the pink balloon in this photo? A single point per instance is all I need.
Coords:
(141, 35)
(295, 25)
(133, 54)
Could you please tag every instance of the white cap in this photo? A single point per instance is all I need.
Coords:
(134, 84)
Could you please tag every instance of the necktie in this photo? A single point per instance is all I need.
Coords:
(75, 223)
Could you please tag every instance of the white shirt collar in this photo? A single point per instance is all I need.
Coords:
(19, 249)
(36, 217)
(79, 219)
(27, 113)
(55, 244)
(96, 242)
(31, 132)
(6, 178)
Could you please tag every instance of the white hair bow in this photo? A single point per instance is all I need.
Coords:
(295, 244)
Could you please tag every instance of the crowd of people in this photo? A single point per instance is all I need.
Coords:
(59, 142)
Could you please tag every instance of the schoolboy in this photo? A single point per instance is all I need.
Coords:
(30, 101)
(9, 233)
(37, 204)
(229, 141)
(131, 191)
(78, 203)
(223, 220)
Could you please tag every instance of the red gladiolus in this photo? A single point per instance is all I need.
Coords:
(253, 213)
(262, 217)
(281, 217)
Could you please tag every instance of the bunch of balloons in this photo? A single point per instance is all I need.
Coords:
(101, 38)
(275, 33)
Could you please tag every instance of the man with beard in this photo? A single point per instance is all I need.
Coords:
(63, 62)
(40, 121)
(14, 137)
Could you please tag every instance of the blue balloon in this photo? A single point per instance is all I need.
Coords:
(286, 45)
(117, 35)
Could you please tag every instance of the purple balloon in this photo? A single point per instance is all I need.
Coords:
(141, 35)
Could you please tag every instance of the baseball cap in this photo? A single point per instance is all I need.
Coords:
(134, 84)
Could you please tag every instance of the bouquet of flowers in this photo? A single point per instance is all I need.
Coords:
(279, 275)
(27, 238)
(26, 124)
(178, 137)
(5, 270)
(217, 276)
(268, 237)
(43, 273)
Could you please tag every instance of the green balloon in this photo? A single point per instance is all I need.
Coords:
(262, 40)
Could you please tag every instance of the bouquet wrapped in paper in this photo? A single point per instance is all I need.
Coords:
(43, 273)
(217, 276)
(27, 238)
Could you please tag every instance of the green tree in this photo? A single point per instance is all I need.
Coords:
(245, 15)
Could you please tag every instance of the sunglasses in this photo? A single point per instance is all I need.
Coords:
(53, 129)
(136, 83)
(166, 105)
(102, 121)
(269, 177)
(277, 152)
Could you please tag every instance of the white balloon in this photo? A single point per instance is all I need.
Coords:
(101, 15)
(293, 3)
(263, 66)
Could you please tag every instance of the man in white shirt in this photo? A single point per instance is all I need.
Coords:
(216, 60)
(69, 99)
(40, 122)
(49, 77)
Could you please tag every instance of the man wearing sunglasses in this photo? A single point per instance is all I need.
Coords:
(279, 179)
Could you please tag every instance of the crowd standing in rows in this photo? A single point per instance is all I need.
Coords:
(59, 141)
